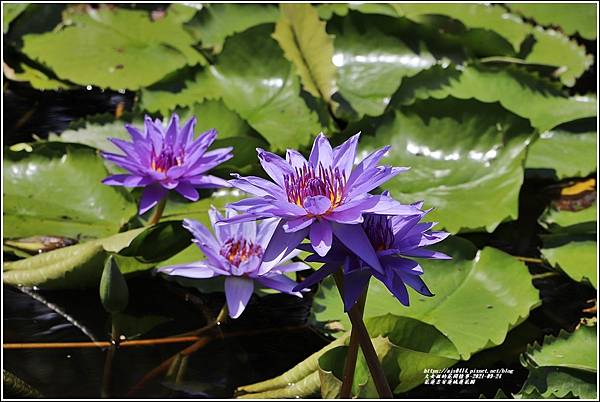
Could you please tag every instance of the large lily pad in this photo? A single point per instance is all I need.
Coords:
(302, 36)
(583, 221)
(256, 81)
(563, 367)
(479, 297)
(215, 22)
(570, 17)
(371, 65)
(114, 48)
(575, 255)
(568, 153)
(465, 157)
(519, 91)
(70, 267)
(55, 189)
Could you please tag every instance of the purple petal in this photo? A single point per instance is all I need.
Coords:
(282, 243)
(355, 283)
(127, 180)
(279, 282)
(151, 196)
(318, 276)
(399, 264)
(275, 166)
(136, 135)
(368, 163)
(293, 225)
(432, 237)
(354, 237)
(291, 267)
(198, 147)
(154, 133)
(415, 282)
(186, 134)
(222, 232)
(425, 253)
(201, 233)
(295, 159)
(172, 130)
(321, 236)
(317, 205)
(265, 231)
(343, 155)
(123, 162)
(247, 230)
(256, 186)
(196, 270)
(188, 191)
(321, 152)
(373, 178)
(208, 181)
(237, 292)
(395, 285)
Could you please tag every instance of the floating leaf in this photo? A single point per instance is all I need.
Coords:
(371, 65)
(256, 81)
(305, 43)
(583, 221)
(576, 256)
(159, 242)
(114, 48)
(522, 93)
(475, 287)
(564, 366)
(464, 156)
(215, 22)
(214, 114)
(55, 189)
(10, 11)
(567, 153)
(571, 17)
(36, 78)
(97, 135)
(69, 267)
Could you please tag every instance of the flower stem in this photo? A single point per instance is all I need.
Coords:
(160, 208)
(110, 354)
(350, 365)
(381, 384)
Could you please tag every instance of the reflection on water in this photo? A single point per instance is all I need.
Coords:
(213, 371)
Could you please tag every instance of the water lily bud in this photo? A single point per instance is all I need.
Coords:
(113, 287)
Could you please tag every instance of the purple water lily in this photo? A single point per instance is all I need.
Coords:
(236, 252)
(323, 196)
(394, 238)
(167, 158)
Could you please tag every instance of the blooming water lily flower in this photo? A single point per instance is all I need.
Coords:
(323, 196)
(396, 239)
(167, 158)
(236, 252)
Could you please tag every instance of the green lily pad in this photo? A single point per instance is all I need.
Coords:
(305, 42)
(36, 78)
(517, 90)
(464, 157)
(563, 367)
(76, 266)
(216, 22)
(10, 12)
(479, 297)
(257, 82)
(570, 17)
(567, 153)
(114, 48)
(371, 65)
(55, 189)
(97, 135)
(583, 221)
(574, 256)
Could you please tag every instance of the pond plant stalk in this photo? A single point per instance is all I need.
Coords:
(361, 337)
(158, 212)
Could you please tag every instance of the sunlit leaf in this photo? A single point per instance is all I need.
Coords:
(257, 82)
(307, 45)
(576, 256)
(215, 22)
(114, 48)
(56, 190)
(570, 17)
(464, 157)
